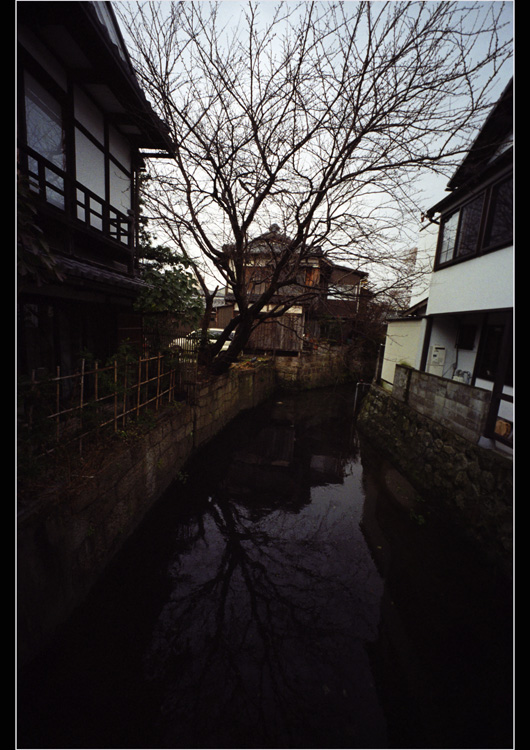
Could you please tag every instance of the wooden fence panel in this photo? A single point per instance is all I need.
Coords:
(282, 334)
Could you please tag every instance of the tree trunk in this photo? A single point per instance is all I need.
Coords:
(205, 349)
(221, 363)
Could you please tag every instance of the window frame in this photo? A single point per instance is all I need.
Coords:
(114, 224)
(487, 194)
(492, 345)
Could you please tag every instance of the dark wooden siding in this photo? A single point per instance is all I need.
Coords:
(281, 334)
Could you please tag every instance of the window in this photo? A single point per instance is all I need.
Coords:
(96, 184)
(45, 135)
(466, 336)
(448, 238)
(469, 227)
(490, 354)
(483, 224)
(499, 229)
(44, 123)
(90, 164)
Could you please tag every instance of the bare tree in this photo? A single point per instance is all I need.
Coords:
(319, 118)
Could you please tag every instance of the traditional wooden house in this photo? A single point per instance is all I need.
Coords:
(335, 314)
(318, 298)
(84, 126)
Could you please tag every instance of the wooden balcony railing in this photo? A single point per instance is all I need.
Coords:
(56, 189)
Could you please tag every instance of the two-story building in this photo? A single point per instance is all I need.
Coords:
(84, 126)
(467, 326)
(319, 298)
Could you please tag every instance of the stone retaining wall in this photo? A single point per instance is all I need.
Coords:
(470, 486)
(68, 535)
(314, 369)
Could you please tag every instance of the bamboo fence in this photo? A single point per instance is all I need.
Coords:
(67, 407)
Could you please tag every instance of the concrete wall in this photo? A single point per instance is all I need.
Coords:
(459, 407)
(465, 485)
(68, 534)
(403, 344)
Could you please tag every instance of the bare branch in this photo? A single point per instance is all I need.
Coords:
(319, 117)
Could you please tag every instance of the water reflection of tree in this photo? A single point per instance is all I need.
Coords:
(273, 595)
(261, 635)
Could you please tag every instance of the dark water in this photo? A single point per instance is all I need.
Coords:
(280, 597)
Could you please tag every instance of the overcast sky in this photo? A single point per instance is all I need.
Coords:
(432, 186)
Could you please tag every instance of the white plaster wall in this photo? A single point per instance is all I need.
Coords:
(402, 346)
(88, 115)
(90, 164)
(483, 283)
(443, 334)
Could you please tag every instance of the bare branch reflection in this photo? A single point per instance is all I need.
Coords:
(263, 636)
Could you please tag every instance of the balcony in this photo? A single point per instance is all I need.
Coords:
(71, 203)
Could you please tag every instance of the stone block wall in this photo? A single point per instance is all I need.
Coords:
(459, 407)
(70, 532)
(318, 368)
(469, 486)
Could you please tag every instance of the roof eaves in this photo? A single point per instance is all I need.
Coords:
(480, 154)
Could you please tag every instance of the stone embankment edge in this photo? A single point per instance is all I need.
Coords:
(69, 534)
(467, 485)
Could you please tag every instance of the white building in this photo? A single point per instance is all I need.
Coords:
(466, 331)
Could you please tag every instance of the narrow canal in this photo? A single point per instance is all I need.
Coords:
(280, 596)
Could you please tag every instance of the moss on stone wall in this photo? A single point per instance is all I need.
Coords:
(464, 483)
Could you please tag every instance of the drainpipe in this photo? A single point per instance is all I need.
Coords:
(379, 364)
(426, 342)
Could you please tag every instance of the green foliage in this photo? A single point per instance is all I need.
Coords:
(418, 518)
(170, 290)
(171, 285)
(35, 430)
(171, 295)
(126, 354)
(137, 428)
